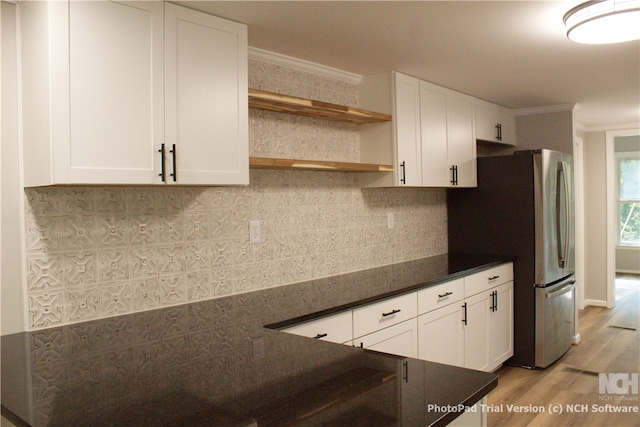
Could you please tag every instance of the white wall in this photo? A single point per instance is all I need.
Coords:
(595, 218)
(552, 130)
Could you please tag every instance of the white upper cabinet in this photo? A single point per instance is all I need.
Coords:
(432, 141)
(206, 98)
(407, 130)
(448, 137)
(495, 123)
(99, 96)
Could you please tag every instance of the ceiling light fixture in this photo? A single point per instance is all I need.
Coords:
(604, 21)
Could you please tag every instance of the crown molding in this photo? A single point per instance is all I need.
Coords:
(543, 110)
(302, 65)
(606, 128)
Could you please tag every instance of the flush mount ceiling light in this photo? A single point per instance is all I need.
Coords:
(605, 21)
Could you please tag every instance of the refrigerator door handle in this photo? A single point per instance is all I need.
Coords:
(562, 215)
(561, 291)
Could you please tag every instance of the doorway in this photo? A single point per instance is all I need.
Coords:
(623, 198)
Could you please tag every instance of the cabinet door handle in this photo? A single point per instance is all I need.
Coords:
(495, 297)
(446, 294)
(391, 313)
(464, 308)
(162, 173)
(403, 179)
(173, 155)
(499, 132)
(493, 302)
(320, 336)
(454, 175)
(494, 277)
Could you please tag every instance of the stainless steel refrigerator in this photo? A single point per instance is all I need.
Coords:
(523, 206)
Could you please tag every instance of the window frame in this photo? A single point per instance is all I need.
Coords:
(621, 156)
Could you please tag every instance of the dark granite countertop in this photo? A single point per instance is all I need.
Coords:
(213, 363)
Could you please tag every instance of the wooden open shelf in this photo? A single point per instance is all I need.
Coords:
(315, 165)
(263, 100)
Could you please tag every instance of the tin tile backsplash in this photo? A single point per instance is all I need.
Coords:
(95, 252)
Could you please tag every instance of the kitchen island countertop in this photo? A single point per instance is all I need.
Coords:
(214, 363)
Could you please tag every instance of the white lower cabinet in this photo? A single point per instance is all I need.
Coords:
(475, 416)
(475, 329)
(466, 322)
(441, 336)
(476, 332)
(400, 339)
(501, 326)
(335, 328)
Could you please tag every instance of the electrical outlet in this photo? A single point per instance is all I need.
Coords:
(255, 236)
(390, 220)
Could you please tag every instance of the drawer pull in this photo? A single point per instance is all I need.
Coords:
(446, 294)
(320, 336)
(391, 313)
(494, 277)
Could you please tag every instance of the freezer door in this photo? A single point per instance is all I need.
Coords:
(555, 307)
(553, 182)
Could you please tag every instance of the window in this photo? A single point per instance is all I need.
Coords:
(628, 168)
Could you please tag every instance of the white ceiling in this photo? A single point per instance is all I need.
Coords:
(513, 53)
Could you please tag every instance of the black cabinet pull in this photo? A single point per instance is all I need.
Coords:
(464, 307)
(320, 336)
(494, 301)
(494, 277)
(173, 155)
(403, 179)
(499, 132)
(162, 173)
(446, 294)
(453, 170)
(391, 313)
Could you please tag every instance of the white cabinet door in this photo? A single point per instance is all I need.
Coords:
(433, 119)
(494, 123)
(206, 98)
(448, 138)
(441, 335)
(93, 95)
(400, 339)
(476, 331)
(407, 130)
(115, 92)
(461, 141)
(501, 325)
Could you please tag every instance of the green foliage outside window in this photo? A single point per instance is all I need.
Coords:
(629, 201)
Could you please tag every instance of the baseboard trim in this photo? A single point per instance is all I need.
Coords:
(595, 303)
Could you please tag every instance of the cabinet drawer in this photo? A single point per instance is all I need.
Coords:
(335, 328)
(440, 295)
(488, 279)
(391, 311)
(400, 339)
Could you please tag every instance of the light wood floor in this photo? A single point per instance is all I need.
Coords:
(603, 349)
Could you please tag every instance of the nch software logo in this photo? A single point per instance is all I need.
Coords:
(618, 383)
